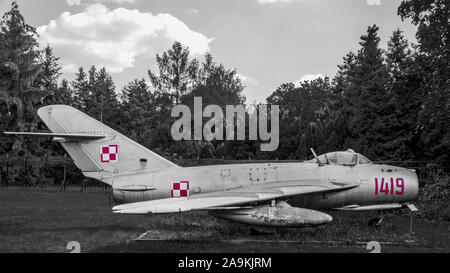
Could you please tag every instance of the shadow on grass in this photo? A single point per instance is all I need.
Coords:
(9, 230)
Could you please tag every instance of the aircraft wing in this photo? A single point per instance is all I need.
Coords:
(245, 196)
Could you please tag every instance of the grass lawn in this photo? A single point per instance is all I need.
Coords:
(33, 220)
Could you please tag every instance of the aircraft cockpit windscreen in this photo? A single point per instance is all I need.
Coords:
(347, 158)
(363, 160)
(342, 158)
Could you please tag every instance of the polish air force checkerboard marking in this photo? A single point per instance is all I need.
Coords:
(109, 153)
(180, 189)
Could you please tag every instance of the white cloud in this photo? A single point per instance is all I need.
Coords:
(78, 2)
(309, 77)
(117, 1)
(277, 1)
(115, 38)
(247, 79)
(373, 2)
(73, 2)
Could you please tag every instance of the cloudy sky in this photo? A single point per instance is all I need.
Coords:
(269, 42)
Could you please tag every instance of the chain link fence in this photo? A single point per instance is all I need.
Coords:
(45, 172)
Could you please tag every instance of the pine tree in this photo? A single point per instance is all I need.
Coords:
(105, 98)
(404, 90)
(94, 94)
(18, 71)
(20, 45)
(93, 103)
(341, 107)
(433, 62)
(64, 95)
(81, 94)
(48, 76)
(176, 73)
(139, 112)
(50, 71)
(368, 106)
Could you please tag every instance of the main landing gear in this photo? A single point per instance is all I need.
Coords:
(377, 221)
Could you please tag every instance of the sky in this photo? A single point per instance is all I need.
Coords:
(268, 42)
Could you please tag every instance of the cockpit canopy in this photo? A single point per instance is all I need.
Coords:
(346, 158)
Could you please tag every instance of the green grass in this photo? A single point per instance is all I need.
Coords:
(32, 220)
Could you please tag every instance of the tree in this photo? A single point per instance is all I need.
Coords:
(48, 76)
(220, 86)
(94, 94)
(64, 95)
(176, 73)
(404, 90)
(216, 85)
(103, 104)
(81, 90)
(18, 71)
(50, 71)
(19, 45)
(302, 122)
(340, 106)
(367, 107)
(139, 110)
(433, 36)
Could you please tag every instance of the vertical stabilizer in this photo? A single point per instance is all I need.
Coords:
(114, 154)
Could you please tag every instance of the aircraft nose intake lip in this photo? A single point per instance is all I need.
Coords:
(416, 184)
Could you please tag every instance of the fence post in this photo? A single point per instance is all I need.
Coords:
(45, 166)
(44, 180)
(65, 172)
(25, 181)
(411, 217)
(7, 170)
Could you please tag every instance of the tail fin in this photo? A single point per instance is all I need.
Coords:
(102, 157)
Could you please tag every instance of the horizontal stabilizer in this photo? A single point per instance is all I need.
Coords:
(67, 136)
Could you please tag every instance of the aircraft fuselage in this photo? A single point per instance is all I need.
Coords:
(377, 184)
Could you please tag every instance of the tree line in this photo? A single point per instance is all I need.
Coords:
(388, 102)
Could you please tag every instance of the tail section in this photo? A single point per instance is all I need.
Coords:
(99, 157)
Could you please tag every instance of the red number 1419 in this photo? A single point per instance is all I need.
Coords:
(388, 188)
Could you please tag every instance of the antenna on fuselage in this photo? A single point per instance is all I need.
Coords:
(317, 158)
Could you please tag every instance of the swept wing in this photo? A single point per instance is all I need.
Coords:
(235, 198)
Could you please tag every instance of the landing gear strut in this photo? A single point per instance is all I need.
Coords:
(377, 221)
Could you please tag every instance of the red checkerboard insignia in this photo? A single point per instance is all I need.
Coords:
(109, 153)
(180, 189)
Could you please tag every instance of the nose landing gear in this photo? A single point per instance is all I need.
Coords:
(377, 221)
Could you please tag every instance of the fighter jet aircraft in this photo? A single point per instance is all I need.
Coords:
(264, 194)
